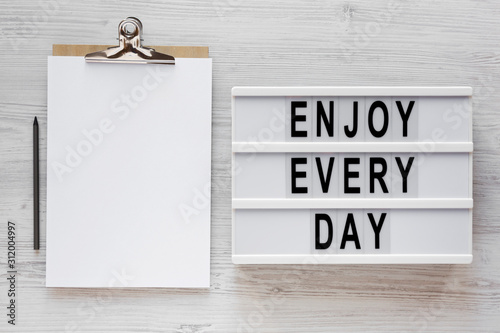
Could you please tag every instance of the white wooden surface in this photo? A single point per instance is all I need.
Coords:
(359, 42)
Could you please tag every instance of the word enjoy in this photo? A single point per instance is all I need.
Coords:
(378, 118)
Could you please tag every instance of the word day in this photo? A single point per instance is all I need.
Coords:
(348, 230)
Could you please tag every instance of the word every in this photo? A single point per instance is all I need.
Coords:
(377, 171)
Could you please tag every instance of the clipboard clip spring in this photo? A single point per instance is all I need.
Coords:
(130, 49)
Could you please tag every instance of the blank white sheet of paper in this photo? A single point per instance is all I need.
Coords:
(128, 174)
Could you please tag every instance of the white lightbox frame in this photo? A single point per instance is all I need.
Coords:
(358, 203)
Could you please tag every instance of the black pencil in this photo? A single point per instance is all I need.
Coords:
(36, 189)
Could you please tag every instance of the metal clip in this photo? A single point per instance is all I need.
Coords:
(130, 49)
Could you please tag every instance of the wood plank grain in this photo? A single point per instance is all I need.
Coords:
(281, 42)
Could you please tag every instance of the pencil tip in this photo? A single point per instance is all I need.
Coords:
(35, 122)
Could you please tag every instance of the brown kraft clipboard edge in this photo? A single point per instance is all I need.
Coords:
(175, 51)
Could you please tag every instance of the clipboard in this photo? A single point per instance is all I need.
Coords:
(129, 155)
